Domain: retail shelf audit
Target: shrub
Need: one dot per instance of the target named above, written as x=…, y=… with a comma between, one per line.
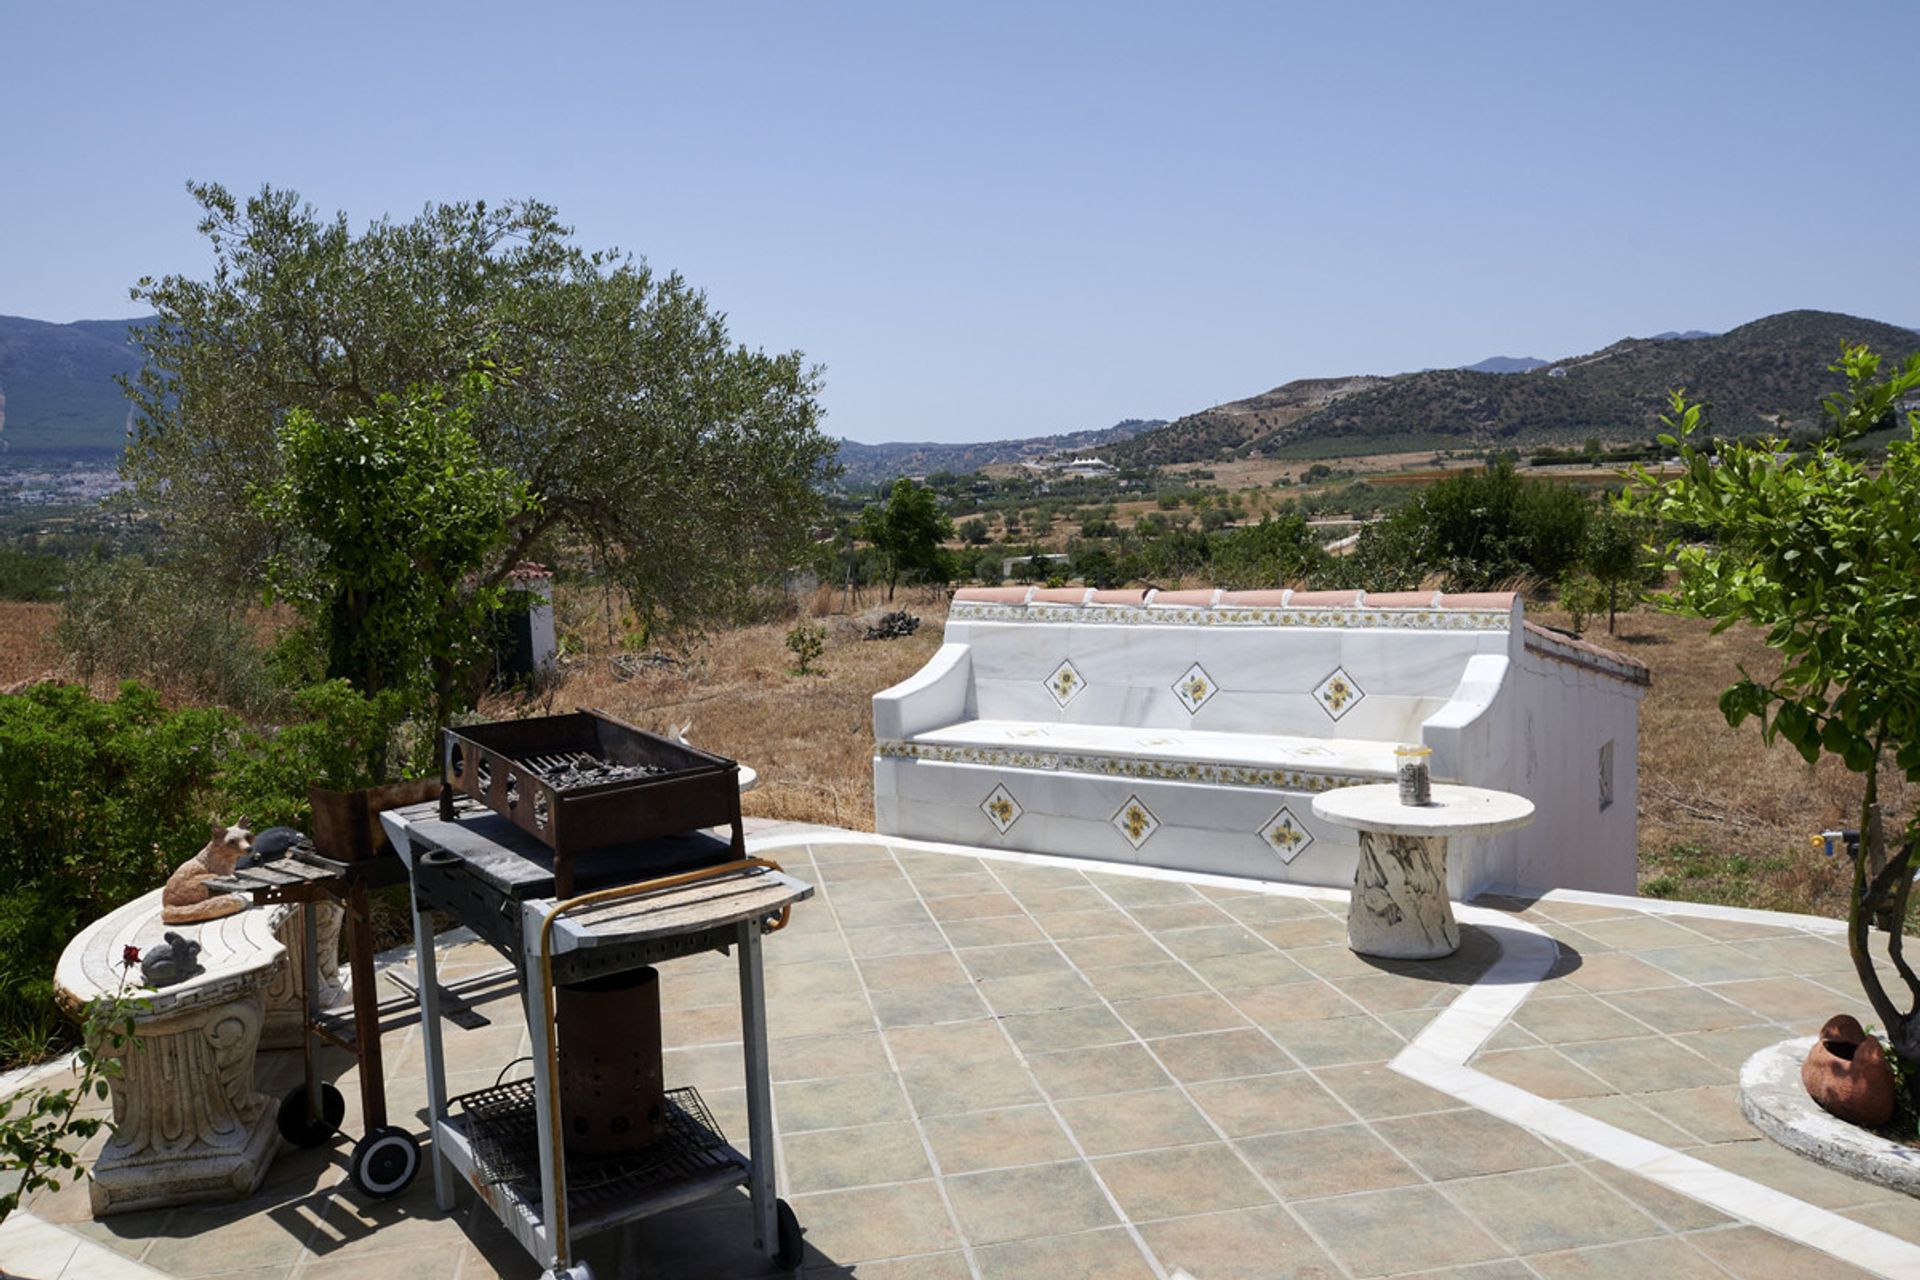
x=99, y=801
x=129, y=620
x=805, y=642
x=1582, y=595
x=343, y=741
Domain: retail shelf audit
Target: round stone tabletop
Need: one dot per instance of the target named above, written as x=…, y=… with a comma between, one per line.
x=236, y=952
x=1454, y=811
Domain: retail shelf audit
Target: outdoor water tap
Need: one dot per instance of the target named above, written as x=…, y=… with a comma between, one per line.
x=1829, y=842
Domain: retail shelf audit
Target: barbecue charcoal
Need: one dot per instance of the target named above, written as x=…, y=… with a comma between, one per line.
x=592, y=773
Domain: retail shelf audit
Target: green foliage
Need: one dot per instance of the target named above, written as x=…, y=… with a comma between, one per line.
x=1582, y=595
x=685, y=464
x=343, y=741
x=907, y=530
x=387, y=518
x=1615, y=557
x=99, y=800
x=1822, y=552
x=805, y=641
x=27, y=575
x=1476, y=530
x=127, y=619
x=974, y=531
x=41, y=1130
x=1278, y=551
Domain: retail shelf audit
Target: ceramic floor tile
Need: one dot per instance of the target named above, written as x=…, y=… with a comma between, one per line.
x=1119, y=1123
x=876, y=1222
x=1370, y=1234
x=1464, y=1144
x=1270, y=1104
x=831, y=1159
x=1089, y=1255
x=1176, y=1181
x=1327, y=1162
x=1106, y=1069
x=1545, y=1210
x=982, y=1140
x=1029, y=1202
x=1750, y=1253
x=1178, y=1015
x=1220, y=1055
x=1243, y=1244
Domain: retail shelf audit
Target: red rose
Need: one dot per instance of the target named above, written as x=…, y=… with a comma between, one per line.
x=129, y=955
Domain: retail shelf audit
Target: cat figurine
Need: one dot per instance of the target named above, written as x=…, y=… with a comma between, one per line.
x=186, y=899
x=174, y=960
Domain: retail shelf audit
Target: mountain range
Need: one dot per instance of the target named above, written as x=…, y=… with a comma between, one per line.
x=58, y=396
x=876, y=463
x=57, y=389
x=1766, y=375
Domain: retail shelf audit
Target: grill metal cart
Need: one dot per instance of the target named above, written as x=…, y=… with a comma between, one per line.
x=630, y=907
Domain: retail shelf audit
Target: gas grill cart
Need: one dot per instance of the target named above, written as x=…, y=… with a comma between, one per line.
x=583, y=851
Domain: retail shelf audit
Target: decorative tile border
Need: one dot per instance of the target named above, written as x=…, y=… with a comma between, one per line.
x=1234, y=616
x=1227, y=775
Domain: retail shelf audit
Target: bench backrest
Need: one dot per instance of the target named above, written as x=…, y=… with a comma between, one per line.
x=1320, y=664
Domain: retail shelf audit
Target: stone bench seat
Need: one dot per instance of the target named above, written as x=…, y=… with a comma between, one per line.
x=1191, y=729
x=1200, y=754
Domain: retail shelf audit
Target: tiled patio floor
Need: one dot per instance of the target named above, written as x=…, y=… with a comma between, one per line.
x=991, y=1068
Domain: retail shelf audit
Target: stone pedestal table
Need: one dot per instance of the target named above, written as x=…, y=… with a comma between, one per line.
x=1399, y=909
x=188, y=1124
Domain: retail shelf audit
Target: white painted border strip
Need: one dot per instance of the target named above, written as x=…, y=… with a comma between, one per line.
x=1670, y=907
x=1438, y=1056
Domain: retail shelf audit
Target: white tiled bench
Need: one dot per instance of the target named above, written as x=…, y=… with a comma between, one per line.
x=1188, y=729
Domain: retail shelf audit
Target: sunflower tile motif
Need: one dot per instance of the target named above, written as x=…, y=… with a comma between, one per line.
x=1136, y=822
x=1065, y=684
x=1001, y=808
x=1338, y=693
x=1194, y=688
x=1285, y=835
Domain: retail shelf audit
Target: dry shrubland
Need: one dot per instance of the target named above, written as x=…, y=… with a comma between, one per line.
x=1723, y=818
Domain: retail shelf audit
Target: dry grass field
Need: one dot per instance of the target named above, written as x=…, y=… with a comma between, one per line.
x=1723, y=818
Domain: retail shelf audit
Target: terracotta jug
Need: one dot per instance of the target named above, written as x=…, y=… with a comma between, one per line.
x=1846, y=1072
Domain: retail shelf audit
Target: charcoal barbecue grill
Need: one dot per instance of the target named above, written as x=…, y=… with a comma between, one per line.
x=621, y=869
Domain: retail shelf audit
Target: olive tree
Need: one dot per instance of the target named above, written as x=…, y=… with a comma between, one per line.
x=907, y=530
x=1822, y=550
x=682, y=462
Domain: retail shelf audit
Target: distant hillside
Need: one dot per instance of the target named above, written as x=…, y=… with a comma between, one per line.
x=57, y=384
x=1239, y=426
x=877, y=463
x=1751, y=376
x=1505, y=364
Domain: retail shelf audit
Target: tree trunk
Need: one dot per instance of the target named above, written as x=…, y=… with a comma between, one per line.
x=1613, y=589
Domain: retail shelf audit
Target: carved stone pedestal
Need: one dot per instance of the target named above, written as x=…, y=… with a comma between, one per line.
x=287, y=990
x=188, y=1125
x=1399, y=909
x=187, y=1122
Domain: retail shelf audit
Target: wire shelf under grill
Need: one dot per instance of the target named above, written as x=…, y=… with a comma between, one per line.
x=499, y=1123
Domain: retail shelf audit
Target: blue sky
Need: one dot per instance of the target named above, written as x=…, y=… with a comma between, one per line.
x=994, y=220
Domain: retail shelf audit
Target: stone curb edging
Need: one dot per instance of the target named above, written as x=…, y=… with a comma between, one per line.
x=1776, y=1102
